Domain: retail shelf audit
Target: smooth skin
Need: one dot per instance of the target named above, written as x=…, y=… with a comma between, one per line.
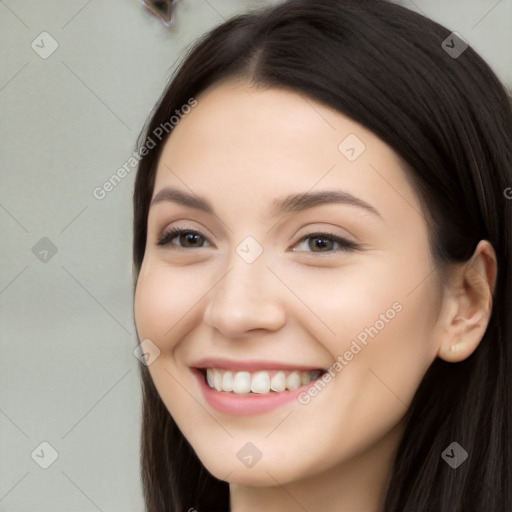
x=300, y=302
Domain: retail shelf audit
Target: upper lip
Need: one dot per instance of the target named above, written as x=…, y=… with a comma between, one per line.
x=253, y=365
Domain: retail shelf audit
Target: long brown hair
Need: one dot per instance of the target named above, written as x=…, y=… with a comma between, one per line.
x=450, y=118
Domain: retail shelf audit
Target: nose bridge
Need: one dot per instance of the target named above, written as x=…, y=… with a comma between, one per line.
x=246, y=298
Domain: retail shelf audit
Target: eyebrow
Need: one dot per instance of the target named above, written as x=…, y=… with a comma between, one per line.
x=280, y=206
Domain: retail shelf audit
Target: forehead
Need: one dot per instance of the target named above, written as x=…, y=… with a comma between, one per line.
x=262, y=143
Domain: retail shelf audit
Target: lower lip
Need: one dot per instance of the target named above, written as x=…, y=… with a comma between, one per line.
x=246, y=405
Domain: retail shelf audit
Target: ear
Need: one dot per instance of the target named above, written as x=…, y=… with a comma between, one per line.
x=467, y=304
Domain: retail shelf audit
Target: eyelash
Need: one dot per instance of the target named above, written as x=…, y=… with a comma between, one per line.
x=346, y=245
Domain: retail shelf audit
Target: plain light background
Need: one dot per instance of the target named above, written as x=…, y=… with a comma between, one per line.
x=68, y=374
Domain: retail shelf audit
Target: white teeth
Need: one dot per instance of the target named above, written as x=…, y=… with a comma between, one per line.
x=217, y=380
x=278, y=382
x=293, y=380
x=260, y=382
x=209, y=377
x=242, y=383
x=227, y=382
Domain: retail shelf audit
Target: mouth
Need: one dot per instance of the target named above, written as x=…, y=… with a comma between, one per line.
x=246, y=388
x=261, y=382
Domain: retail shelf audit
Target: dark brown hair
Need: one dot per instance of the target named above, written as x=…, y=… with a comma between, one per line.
x=450, y=119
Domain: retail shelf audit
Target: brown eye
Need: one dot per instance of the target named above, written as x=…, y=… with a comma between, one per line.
x=187, y=238
x=325, y=242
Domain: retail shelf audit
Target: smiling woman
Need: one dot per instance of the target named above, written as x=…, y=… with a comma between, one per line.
x=322, y=254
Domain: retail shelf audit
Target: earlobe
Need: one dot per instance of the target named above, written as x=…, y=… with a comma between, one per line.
x=468, y=304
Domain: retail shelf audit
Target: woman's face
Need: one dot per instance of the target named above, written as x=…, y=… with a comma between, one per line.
x=262, y=297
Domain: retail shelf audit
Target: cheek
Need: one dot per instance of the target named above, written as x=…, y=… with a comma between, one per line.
x=160, y=302
x=388, y=347
x=386, y=317
x=381, y=321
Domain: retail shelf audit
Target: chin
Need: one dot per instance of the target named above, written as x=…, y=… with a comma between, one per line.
x=278, y=469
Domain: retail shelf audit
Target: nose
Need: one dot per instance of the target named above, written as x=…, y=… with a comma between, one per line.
x=247, y=298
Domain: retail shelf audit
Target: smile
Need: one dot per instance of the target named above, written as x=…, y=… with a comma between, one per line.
x=260, y=382
x=245, y=388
